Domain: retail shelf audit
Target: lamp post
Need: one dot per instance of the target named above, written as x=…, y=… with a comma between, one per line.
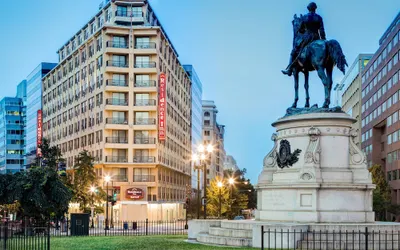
x=92, y=190
x=203, y=151
x=107, y=179
x=219, y=184
x=231, y=182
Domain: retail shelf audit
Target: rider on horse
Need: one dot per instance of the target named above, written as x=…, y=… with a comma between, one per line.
x=312, y=28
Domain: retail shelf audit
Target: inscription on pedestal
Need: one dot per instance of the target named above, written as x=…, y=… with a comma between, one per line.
x=279, y=200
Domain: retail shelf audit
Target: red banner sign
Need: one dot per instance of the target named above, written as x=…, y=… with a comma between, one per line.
x=134, y=193
x=39, y=132
x=162, y=106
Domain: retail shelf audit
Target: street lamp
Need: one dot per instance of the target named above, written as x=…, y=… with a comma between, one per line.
x=201, y=155
x=107, y=179
x=92, y=190
x=219, y=185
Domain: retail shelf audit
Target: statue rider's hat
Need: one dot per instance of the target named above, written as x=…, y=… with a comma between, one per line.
x=312, y=6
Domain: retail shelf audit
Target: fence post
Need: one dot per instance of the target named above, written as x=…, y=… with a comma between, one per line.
x=262, y=237
x=5, y=234
x=48, y=235
x=147, y=226
x=366, y=238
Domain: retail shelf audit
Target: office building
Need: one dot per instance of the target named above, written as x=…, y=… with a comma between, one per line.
x=230, y=164
x=351, y=98
x=213, y=133
x=12, y=136
x=197, y=91
x=120, y=92
x=33, y=105
x=380, y=107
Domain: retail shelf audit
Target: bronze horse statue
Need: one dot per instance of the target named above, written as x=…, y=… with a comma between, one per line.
x=319, y=55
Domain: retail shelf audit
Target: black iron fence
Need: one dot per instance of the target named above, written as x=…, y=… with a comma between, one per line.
x=329, y=240
x=16, y=236
x=119, y=228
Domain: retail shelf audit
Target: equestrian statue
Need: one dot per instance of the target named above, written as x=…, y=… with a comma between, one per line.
x=311, y=51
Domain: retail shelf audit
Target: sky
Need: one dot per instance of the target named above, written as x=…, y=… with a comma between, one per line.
x=237, y=48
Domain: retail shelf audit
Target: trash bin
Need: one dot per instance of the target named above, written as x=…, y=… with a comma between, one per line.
x=134, y=225
x=125, y=225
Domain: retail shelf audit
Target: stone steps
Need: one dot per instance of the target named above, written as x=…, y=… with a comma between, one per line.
x=223, y=240
x=236, y=225
x=238, y=233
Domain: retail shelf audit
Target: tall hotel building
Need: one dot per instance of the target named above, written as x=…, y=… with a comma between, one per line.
x=351, y=98
x=213, y=133
x=197, y=114
x=33, y=106
x=120, y=92
x=381, y=107
x=12, y=127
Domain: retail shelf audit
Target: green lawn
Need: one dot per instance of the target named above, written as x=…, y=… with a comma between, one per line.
x=130, y=242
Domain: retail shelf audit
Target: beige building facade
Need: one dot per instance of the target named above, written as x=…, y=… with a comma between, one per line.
x=213, y=133
x=351, y=98
x=104, y=96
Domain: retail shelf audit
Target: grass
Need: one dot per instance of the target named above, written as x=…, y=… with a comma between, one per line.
x=131, y=242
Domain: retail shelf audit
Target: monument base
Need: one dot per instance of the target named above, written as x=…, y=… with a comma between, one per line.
x=327, y=181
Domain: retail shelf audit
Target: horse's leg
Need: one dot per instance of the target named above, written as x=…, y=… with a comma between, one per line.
x=324, y=79
x=329, y=71
x=306, y=88
x=296, y=88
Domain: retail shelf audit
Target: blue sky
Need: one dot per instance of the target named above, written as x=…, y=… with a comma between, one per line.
x=237, y=48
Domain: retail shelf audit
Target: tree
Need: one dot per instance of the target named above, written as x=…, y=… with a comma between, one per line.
x=84, y=178
x=381, y=194
x=243, y=193
x=214, y=194
x=39, y=192
x=50, y=156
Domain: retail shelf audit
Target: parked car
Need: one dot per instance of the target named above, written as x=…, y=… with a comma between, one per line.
x=239, y=217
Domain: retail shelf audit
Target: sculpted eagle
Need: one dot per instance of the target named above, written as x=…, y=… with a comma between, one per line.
x=285, y=158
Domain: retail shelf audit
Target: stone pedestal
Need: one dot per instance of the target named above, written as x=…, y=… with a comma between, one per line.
x=329, y=182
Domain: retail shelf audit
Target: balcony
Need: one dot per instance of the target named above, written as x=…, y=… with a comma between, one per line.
x=149, y=45
x=116, y=140
x=119, y=178
x=144, y=178
x=133, y=17
x=141, y=140
x=117, y=159
x=117, y=83
x=142, y=65
x=122, y=121
x=145, y=121
x=144, y=159
x=145, y=102
x=118, y=64
x=145, y=83
x=119, y=45
x=125, y=13
x=117, y=102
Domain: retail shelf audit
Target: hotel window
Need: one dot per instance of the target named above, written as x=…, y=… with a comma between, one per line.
x=137, y=11
x=395, y=137
x=108, y=15
x=122, y=11
x=389, y=139
x=142, y=42
x=119, y=42
x=119, y=61
x=389, y=121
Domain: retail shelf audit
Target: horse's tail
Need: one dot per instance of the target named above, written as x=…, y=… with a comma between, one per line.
x=336, y=53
